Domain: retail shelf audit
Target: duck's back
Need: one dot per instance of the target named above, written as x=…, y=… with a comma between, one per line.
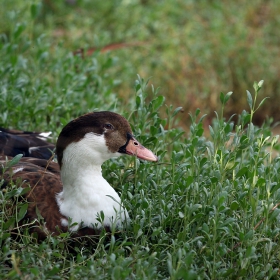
x=30, y=144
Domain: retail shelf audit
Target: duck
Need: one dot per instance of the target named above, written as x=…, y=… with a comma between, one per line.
x=71, y=195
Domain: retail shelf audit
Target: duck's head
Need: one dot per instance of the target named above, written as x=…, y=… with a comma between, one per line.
x=99, y=136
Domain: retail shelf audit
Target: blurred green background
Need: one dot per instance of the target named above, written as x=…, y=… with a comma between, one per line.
x=193, y=50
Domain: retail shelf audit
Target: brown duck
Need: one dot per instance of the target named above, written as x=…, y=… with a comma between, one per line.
x=72, y=195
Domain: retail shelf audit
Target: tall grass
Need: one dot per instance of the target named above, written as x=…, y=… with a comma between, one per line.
x=193, y=49
x=207, y=210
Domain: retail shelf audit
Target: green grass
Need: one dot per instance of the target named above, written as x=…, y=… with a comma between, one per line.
x=204, y=211
x=193, y=49
x=207, y=210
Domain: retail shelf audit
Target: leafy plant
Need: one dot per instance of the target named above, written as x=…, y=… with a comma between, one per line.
x=209, y=209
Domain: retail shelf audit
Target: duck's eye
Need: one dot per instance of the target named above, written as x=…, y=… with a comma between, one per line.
x=108, y=126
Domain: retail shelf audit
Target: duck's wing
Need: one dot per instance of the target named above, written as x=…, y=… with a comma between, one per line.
x=43, y=179
x=30, y=144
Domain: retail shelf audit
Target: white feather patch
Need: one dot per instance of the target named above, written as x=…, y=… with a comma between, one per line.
x=18, y=169
x=45, y=134
x=85, y=192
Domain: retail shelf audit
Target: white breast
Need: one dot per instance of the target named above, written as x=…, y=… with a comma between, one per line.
x=85, y=192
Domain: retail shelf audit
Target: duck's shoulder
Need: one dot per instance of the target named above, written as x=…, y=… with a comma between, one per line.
x=41, y=176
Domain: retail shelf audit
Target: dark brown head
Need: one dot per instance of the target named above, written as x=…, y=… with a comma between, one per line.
x=112, y=128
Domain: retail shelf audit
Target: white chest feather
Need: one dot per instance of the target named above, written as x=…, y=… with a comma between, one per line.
x=85, y=192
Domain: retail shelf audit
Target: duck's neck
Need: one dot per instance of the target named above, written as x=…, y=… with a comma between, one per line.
x=86, y=193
